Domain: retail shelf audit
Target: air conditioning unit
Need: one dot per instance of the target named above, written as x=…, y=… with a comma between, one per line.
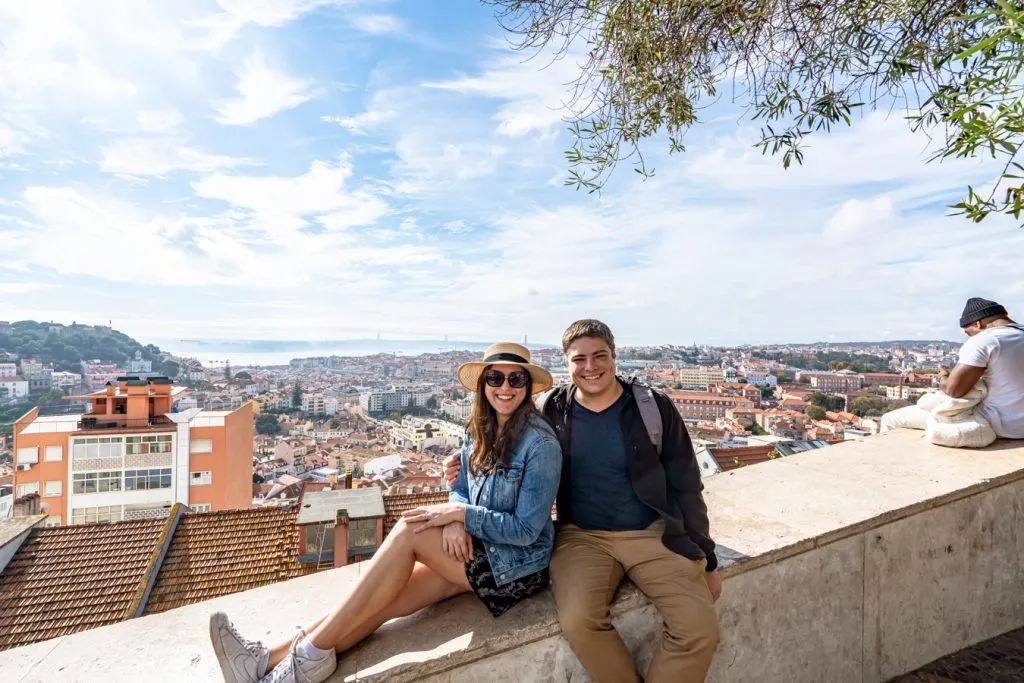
x=24, y=468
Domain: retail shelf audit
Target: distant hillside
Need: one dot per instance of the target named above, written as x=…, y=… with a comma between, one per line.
x=66, y=346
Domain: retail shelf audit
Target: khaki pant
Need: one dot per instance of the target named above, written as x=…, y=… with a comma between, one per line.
x=588, y=566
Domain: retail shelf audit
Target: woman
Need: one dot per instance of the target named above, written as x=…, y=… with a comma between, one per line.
x=494, y=537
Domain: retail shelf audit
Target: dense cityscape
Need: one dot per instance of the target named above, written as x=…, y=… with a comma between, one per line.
x=386, y=421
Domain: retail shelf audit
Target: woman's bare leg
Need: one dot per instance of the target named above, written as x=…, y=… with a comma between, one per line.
x=392, y=586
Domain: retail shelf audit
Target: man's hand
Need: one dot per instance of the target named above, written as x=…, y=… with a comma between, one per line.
x=456, y=542
x=452, y=465
x=435, y=515
x=714, y=580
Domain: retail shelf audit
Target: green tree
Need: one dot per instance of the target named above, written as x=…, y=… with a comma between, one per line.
x=267, y=423
x=799, y=68
x=815, y=413
x=826, y=401
x=868, y=406
x=432, y=403
x=243, y=375
x=757, y=430
x=227, y=371
x=297, y=395
x=767, y=392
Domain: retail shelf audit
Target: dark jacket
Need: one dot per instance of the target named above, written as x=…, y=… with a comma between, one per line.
x=670, y=483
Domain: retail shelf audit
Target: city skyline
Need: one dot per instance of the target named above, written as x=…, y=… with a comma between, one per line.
x=320, y=169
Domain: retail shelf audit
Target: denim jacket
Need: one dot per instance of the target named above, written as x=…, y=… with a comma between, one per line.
x=509, y=509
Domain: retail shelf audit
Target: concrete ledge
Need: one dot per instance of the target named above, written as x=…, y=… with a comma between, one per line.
x=866, y=561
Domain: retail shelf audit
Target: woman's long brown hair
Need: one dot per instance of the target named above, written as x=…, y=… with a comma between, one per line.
x=491, y=449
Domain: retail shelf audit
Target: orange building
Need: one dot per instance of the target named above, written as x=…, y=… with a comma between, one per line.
x=132, y=456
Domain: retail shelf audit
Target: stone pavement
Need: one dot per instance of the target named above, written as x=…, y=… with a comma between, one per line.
x=1000, y=660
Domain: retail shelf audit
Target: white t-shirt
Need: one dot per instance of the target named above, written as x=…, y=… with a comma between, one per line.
x=1000, y=350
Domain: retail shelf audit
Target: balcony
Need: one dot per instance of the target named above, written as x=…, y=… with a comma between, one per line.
x=92, y=422
x=857, y=563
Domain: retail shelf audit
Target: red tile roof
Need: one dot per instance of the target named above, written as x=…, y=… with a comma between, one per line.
x=732, y=458
x=395, y=505
x=219, y=553
x=68, y=579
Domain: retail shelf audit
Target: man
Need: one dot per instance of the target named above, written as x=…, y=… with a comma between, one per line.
x=625, y=510
x=995, y=352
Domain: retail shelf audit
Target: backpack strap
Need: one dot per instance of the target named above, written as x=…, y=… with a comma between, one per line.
x=649, y=413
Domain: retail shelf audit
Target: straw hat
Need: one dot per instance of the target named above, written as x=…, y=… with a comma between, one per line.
x=504, y=353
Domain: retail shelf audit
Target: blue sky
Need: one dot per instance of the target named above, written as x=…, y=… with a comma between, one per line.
x=322, y=169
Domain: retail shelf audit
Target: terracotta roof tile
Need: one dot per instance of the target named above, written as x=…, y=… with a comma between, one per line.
x=395, y=505
x=218, y=553
x=732, y=458
x=72, y=578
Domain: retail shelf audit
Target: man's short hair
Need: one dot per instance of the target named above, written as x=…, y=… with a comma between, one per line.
x=588, y=327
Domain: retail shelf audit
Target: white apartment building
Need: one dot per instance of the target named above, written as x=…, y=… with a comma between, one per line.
x=8, y=370
x=314, y=404
x=457, y=410
x=13, y=387
x=904, y=393
x=66, y=380
x=761, y=379
x=700, y=377
x=395, y=398
x=417, y=433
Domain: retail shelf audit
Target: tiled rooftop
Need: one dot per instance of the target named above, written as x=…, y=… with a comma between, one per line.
x=395, y=505
x=68, y=579
x=731, y=458
x=218, y=553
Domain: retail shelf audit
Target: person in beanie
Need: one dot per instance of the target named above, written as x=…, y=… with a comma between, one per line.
x=995, y=352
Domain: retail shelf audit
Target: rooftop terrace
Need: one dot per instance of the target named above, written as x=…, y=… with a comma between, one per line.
x=860, y=562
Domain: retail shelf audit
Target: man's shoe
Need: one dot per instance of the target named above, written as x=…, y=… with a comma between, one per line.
x=239, y=658
x=296, y=668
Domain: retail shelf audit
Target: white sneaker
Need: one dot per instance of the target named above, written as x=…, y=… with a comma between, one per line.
x=296, y=668
x=239, y=659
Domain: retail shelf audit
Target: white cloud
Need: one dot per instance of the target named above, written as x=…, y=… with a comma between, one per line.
x=377, y=24
x=161, y=156
x=11, y=141
x=861, y=219
x=156, y=121
x=361, y=123
x=280, y=206
x=262, y=92
x=535, y=91
x=14, y=288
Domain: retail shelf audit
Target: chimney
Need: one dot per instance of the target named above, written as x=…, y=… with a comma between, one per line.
x=341, y=538
x=348, y=479
x=26, y=506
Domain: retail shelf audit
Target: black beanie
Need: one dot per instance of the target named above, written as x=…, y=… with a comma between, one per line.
x=979, y=309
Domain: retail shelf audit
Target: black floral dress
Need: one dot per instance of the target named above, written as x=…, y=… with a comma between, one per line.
x=500, y=599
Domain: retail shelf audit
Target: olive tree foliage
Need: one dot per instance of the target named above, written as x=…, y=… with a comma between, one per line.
x=798, y=67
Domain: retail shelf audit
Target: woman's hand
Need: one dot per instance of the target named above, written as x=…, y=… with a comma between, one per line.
x=456, y=542
x=435, y=515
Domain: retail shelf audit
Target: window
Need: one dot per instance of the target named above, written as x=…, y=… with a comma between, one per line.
x=28, y=456
x=25, y=489
x=320, y=539
x=362, y=533
x=141, y=480
x=96, y=482
x=53, y=489
x=53, y=453
x=201, y=478
x=100, y=447
x=140, y=445
x=201, y=446
x=200, y=507
x=103, y=513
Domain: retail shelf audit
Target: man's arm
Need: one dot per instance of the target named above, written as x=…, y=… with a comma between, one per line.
x=961, y=380
x=684, y=481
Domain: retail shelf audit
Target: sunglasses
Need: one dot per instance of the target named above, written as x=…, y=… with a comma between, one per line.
x=516, y=380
